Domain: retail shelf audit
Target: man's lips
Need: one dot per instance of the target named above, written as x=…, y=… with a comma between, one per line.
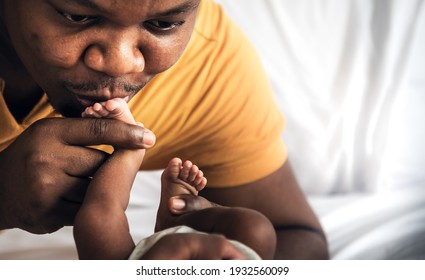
x=88, y=101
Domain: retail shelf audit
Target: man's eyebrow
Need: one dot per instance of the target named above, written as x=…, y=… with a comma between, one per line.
x=88, y=4
x=181, y=9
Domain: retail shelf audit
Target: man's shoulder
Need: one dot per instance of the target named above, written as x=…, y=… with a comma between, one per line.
x=212, y=23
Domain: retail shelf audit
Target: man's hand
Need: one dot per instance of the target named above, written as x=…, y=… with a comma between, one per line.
x=46, y=170
x=193, y=246
x=186, y=203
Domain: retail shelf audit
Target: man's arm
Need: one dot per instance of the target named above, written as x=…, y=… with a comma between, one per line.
x=279, y=197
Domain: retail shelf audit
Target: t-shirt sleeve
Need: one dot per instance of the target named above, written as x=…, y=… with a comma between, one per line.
x=244, y=124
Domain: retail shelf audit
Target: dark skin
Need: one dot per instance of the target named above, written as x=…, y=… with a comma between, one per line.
x=101, y=229
x=46, y=200
x=192, y=246
x=71, y=58
x=121, y=47
x=279, y=198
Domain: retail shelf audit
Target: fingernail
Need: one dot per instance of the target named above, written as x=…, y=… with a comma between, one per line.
x=178, y=203
x=148, y=137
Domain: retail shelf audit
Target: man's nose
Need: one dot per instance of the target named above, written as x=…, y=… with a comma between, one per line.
x=115, y=56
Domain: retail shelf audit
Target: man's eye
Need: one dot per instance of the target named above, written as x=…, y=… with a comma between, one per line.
x=163, y=25
x=78, y=18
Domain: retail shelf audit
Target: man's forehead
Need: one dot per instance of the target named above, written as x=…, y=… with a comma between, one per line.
x=139, y=5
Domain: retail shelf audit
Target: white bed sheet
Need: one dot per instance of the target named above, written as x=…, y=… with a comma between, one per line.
x=358, y=226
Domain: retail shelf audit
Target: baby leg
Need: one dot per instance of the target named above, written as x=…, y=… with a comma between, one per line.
x=101, y=230
x=245, y=225
x=178, y=178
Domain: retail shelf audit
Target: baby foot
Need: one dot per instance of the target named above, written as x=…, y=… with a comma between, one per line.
x=117, y=108
x=177, y=179
x=113, y=109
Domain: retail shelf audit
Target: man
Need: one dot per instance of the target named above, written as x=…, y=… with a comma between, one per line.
x=188, y=74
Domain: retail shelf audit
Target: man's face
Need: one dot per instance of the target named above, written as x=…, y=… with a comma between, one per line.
x=82, y=51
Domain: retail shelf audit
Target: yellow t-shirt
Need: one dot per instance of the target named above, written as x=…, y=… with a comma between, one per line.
x=214, y=107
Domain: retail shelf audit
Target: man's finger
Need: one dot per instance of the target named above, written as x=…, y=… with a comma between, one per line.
x=187, y=203
x=224, y=249
x=232, y=253
x=93, y=131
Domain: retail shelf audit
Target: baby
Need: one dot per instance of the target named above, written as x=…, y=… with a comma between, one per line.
x=101, y=229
